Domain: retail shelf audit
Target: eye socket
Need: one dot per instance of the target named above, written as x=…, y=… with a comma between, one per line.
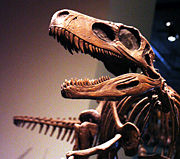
x=130, y=38
x=63, y=14
x=103, y=31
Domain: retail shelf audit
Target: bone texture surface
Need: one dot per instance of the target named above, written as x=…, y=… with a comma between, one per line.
x=137, y=111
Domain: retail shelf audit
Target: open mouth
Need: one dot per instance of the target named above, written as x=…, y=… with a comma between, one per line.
x=73, y=44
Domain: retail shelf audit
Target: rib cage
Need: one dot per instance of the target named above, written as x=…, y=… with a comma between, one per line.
x=65, y=127
x=158, y=129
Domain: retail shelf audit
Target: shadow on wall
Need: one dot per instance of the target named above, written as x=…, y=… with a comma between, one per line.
x=22, y=156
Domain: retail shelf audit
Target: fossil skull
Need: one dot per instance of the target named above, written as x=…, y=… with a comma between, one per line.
x=118, y=46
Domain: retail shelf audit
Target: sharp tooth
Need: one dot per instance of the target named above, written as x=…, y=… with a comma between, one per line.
x=66, y=83
x=97, y=50
x=70, y=50
x=76, y=41
x=52, y=30
x=106, y=52
x=72, y=82
x=93, y=48
x=90, y=48
x=102, y=79
x=84, y=83
x=63, y=32
x=96, y=81
x=81, y=43
x=56, y=29
x=107, y=78
x=71, y=38
x=110, y=53
x=102, y=50
x=79, y=83
x=69, y=82
x=63, y=85
x=68, y=43
x=89, y=82
x=59, y=32
x=67, y=35
x=76, y=82
x=86, y=46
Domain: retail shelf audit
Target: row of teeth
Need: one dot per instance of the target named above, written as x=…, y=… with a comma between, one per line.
x=74, y=43
x=85, y=82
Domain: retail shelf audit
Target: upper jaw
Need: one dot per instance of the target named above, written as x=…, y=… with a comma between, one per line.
x=74, y=42
x=78, y=32
x=81, y=26
x=115, y=58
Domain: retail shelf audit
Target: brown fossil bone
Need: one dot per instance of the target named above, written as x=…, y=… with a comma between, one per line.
x=32, y=122
x=120, y=48
x=137, y=110
x=104, y=40
x=111, y=89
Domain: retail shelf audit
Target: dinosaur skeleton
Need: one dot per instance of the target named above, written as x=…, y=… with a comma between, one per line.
x=137, y=110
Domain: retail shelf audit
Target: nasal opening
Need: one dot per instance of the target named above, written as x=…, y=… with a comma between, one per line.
x=63, y=14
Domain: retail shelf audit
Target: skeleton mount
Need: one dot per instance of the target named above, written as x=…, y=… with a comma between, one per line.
x=137, y=110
